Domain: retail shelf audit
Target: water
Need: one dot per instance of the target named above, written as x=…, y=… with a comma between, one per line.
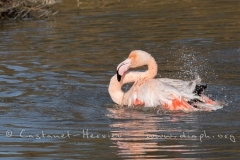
x=54, y=77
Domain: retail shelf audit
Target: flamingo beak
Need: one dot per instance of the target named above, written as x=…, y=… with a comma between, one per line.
x=122, y=68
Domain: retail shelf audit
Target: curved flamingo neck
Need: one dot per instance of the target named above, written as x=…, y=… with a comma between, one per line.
x=152, y=68
x=115, y=87
x=115, y=90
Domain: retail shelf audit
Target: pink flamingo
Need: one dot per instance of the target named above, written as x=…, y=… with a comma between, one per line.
x=172, y=94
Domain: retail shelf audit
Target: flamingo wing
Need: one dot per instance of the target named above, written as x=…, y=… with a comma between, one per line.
x=169, y=93
x=154, y=92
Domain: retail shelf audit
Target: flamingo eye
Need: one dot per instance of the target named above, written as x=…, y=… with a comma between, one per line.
x=132, y=55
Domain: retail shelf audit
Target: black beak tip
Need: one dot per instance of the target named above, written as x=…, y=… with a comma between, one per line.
x=119, y=77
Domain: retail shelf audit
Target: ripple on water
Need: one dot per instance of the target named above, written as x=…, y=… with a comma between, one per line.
x=17, y=68
x=9, y=80
x=11, y=93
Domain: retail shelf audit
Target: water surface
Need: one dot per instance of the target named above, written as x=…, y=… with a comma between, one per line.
x=54, y=76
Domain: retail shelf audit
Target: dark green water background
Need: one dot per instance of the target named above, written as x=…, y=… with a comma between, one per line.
x=54, y=75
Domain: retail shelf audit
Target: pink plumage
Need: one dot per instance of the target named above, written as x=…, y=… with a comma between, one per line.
x=172, y=94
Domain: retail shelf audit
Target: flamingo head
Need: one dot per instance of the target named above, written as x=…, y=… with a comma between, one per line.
x=135, y=59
